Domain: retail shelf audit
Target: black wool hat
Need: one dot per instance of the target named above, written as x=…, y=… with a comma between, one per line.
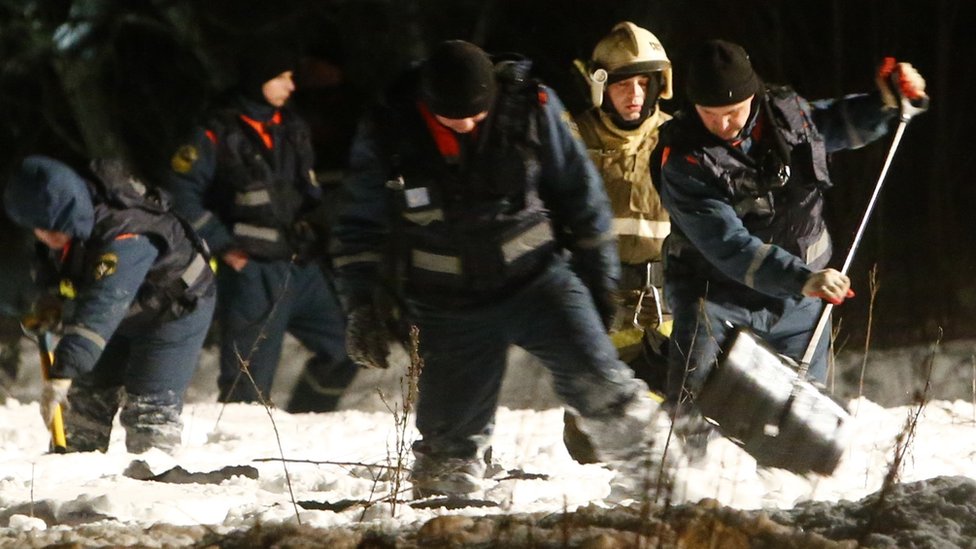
x=261, y=61
x=721, y=74
x=458, y=80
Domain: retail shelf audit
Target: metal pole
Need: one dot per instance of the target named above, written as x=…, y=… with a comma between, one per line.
x=908, y=110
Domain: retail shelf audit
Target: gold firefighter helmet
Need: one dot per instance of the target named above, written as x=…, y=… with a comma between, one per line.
x=627, y=51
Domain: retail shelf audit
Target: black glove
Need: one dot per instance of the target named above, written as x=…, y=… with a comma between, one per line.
x=366, y=338
x=305, y=241
x=54, y=393
x=606, y=306
x=45, y=315
x=598, y=268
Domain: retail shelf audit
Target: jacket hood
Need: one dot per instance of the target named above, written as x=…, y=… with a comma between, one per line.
x=47, y=194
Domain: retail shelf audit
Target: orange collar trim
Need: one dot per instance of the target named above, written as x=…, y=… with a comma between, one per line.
x=447, y=141
x=262, y=128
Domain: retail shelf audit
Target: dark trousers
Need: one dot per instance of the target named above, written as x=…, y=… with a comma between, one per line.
x=702, y=325
x=256, y=307
x=154, y=365
x=465, y=351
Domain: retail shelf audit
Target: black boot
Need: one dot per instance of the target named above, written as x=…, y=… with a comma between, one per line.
x=319, y=388
x=88, y=419
x=152, y=421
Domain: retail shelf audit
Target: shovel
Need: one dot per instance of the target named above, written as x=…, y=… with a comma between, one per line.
x=44, y=340
x=768, y=407
x=59, y=443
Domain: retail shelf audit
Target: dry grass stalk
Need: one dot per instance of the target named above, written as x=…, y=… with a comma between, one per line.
x=401, y=420
x=972, y=360
x=245, y=370
x=873, y=286
x=903, y=442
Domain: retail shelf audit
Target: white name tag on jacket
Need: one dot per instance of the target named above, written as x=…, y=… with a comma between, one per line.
x=418, y=197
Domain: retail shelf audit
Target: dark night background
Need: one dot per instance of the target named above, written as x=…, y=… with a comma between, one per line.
x=125, y=77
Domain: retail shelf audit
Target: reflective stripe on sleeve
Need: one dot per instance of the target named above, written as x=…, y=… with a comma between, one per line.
x=365, y=257
x=194, y=270
x=260, y=233
x=437, y=263
x=253, y=198
x=532, y=239
x=202, y=220
x=424, y=217
x=818, y=248
x=644, y=228
x=90, y=335
x=761, y=252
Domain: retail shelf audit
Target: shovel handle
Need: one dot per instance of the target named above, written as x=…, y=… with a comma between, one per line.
x=910, y=107
x=59, y=444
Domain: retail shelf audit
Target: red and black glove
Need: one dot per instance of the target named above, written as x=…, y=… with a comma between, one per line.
x=896, y=80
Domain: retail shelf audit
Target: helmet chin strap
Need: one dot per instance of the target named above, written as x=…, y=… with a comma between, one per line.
x=646, y=110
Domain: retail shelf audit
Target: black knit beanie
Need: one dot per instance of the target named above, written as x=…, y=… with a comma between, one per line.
x=720, y=74
x=458, y=80
x=262, y=61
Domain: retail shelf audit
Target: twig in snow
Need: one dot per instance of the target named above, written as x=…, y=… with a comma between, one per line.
x=246, y=371
x=972, y=360
x=903, y=443
x=401, y=416
x=873, y=285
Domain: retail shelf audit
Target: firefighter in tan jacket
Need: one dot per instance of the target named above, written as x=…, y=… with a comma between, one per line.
x=627, y=76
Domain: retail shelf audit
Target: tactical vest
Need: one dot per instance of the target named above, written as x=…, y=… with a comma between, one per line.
x=270, y=188
x=623, y=158
x=787, y=212
x=180, y=274
x=469, y=232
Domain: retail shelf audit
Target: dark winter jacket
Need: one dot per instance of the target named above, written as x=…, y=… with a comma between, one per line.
x=737, y=219
x=130, y=261
x=472, y=216
x=245, y=181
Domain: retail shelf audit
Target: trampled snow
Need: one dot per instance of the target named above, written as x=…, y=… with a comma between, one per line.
x=351, y=455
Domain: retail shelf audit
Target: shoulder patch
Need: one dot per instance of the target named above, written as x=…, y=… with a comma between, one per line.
x=106, y=265
x=183, y=160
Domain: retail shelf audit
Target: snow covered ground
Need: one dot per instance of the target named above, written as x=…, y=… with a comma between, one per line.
x=341, y=460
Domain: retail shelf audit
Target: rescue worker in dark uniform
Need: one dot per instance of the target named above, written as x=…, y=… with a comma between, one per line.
x=743, y=176
x=140, y=298
x=471, y=178
x=627, y=75
x=247, y=186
